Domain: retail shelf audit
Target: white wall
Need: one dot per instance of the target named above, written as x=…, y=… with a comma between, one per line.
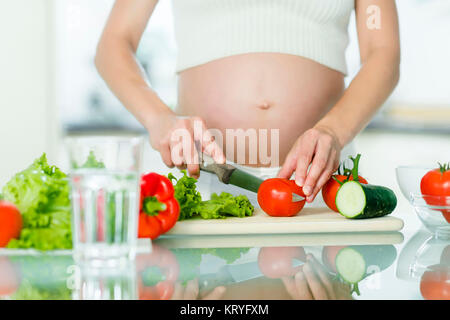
x=28, y=123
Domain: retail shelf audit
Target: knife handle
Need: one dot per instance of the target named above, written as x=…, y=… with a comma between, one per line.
x=222, y=171
x=211, y=281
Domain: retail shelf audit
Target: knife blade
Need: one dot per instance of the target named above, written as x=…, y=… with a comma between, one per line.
x=230, y=274
x=229, y=174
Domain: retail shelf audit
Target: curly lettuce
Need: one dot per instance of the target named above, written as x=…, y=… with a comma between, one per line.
x=41, y=193
x=218, y=207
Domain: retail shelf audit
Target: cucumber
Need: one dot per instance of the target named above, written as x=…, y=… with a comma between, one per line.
x=362, y=201
x=353, y=263
x=350, y=265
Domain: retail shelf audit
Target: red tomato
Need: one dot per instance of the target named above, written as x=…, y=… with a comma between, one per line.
x=10, y=222
x=275, y=197
x=276, y=262
x=330, y=190
x=436, y=183
x=329, y=254
x=435, y=283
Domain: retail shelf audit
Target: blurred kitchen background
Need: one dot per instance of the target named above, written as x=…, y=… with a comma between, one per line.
x=49, y=87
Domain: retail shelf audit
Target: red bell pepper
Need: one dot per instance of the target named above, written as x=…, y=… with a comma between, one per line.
x=159, y=210
x=159, y=259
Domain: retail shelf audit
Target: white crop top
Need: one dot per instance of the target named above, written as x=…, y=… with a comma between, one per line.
x=207, y=30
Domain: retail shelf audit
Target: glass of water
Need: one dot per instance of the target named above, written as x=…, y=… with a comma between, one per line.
x=105, y=188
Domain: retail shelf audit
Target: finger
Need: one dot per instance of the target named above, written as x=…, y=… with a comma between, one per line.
x=191, y=291
x=165, y=156
x=191, y=158
x=216, y=294
x=317, y=289
x=176, y=153
x=288, y=167
x=304, y=159
x=318, y=165
x=177, y=292
x=324, y=177
x=212, y=148
x=303, y=291
x=323, y=276
x=289, y=284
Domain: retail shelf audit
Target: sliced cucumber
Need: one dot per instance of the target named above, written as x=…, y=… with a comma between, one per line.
x=361, y=201
x=350, y=265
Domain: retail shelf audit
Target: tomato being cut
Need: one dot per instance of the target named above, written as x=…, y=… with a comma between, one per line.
x=275, y=197
x=436, y=185
x=277, y=262
x=10, y=222
x=332, y=186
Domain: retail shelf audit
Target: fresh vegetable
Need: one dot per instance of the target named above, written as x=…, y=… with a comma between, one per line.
x=10, y=222
x=435, y=283
x=436, y=185
x=353, y=263
x=191, y=259
x=329, y=254
x=275, y=197
x=276, y=262
x=156, y=274
x=43, y=277
x=330, y=189
x=159, y=210
x=41, y=193
x=92, y=162
x=225, y=204
x=218, y=207
x=361, y=201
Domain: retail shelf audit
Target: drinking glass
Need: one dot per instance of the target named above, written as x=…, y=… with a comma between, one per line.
x=105, y=181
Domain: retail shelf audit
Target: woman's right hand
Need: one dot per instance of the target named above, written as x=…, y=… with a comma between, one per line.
x=175, y=138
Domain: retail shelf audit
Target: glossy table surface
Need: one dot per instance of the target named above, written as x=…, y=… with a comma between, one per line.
x=297, y=266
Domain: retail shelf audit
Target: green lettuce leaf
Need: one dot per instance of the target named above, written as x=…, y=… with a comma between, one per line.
x=41, y=193
x=218, y=207
x=187, y=195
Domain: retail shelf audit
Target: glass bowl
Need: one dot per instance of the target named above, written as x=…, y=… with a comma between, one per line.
x=408, y=179
x=433, y=212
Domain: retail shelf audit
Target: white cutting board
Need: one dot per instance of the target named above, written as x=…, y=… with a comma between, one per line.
x=309, y=220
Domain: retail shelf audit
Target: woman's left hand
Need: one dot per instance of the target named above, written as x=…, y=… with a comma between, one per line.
x=318, y=147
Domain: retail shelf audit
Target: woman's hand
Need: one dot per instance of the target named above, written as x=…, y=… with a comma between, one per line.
x=318, y=147
x=176, y=138
x=313, y=282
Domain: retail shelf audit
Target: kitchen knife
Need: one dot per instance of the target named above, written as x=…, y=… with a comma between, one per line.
x=229, y=174
x=230, y=274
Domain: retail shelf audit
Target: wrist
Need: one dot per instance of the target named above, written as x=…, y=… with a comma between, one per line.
x=338, y=134
x=157, y=115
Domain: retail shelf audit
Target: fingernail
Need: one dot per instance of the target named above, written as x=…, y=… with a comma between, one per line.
x=307, y=190
x=300, y=182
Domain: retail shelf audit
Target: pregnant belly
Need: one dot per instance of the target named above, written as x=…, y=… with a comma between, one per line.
x=264, y=94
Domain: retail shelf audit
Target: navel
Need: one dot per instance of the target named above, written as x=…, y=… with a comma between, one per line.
x=264, y=106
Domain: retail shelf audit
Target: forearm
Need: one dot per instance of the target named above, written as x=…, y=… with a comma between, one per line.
x=367, y=92
x=116, y=63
